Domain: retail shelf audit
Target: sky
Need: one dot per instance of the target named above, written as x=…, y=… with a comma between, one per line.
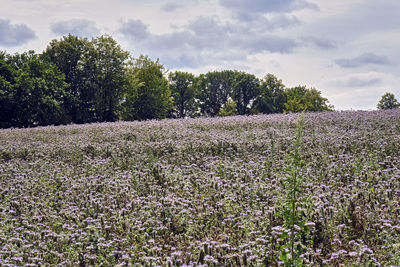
x=347, y=49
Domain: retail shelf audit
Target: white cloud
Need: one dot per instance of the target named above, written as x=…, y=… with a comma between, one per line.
x=360, y=90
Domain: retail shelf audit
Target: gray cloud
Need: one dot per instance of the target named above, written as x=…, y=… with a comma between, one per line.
x=14, y=34
x=359, y=80
x=170, y=7
x=134, y=29
x=267, y=43
x=265, y=6
x=364, y=59
x=263, y=23
x=79, y=27
x=280, y=21
x=205, y=40
x=320, y=42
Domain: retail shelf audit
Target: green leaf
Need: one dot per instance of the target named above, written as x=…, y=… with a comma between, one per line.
x=283, y=256
x=284, y=235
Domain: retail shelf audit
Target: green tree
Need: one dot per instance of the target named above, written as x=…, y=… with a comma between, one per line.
x=313, y=101
x=388, y=101
x=7, y=75
x=6, y=71
x=245, y=91
x=272, y=95
x=300, y=98
x=130, y=95
x=104, y=76
x=214, y=89
x=153, y=99
x=228, y=109
x=67, y=54
x=96, y=72
x=184, y=93
x=36, y=94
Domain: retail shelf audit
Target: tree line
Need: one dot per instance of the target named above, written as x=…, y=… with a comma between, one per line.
x=77, y=80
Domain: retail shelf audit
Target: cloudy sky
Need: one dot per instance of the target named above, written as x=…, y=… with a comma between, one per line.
x=347, y=49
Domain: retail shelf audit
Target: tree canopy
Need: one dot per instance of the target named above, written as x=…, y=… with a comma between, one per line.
x=272, y=97
x=96, y=73
x=388, y=101
x=214, y=89
x=154, y=95
x=32, y=91
x=245, y=90
x=77, y=80
x=184, y=93
x=300, y=98
x=67, y=54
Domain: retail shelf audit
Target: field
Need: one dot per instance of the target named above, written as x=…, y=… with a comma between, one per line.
x=204, y=192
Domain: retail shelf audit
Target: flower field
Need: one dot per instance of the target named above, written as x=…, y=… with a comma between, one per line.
x=203, y=192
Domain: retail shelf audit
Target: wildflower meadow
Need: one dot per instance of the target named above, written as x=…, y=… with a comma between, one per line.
x=317, y=189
